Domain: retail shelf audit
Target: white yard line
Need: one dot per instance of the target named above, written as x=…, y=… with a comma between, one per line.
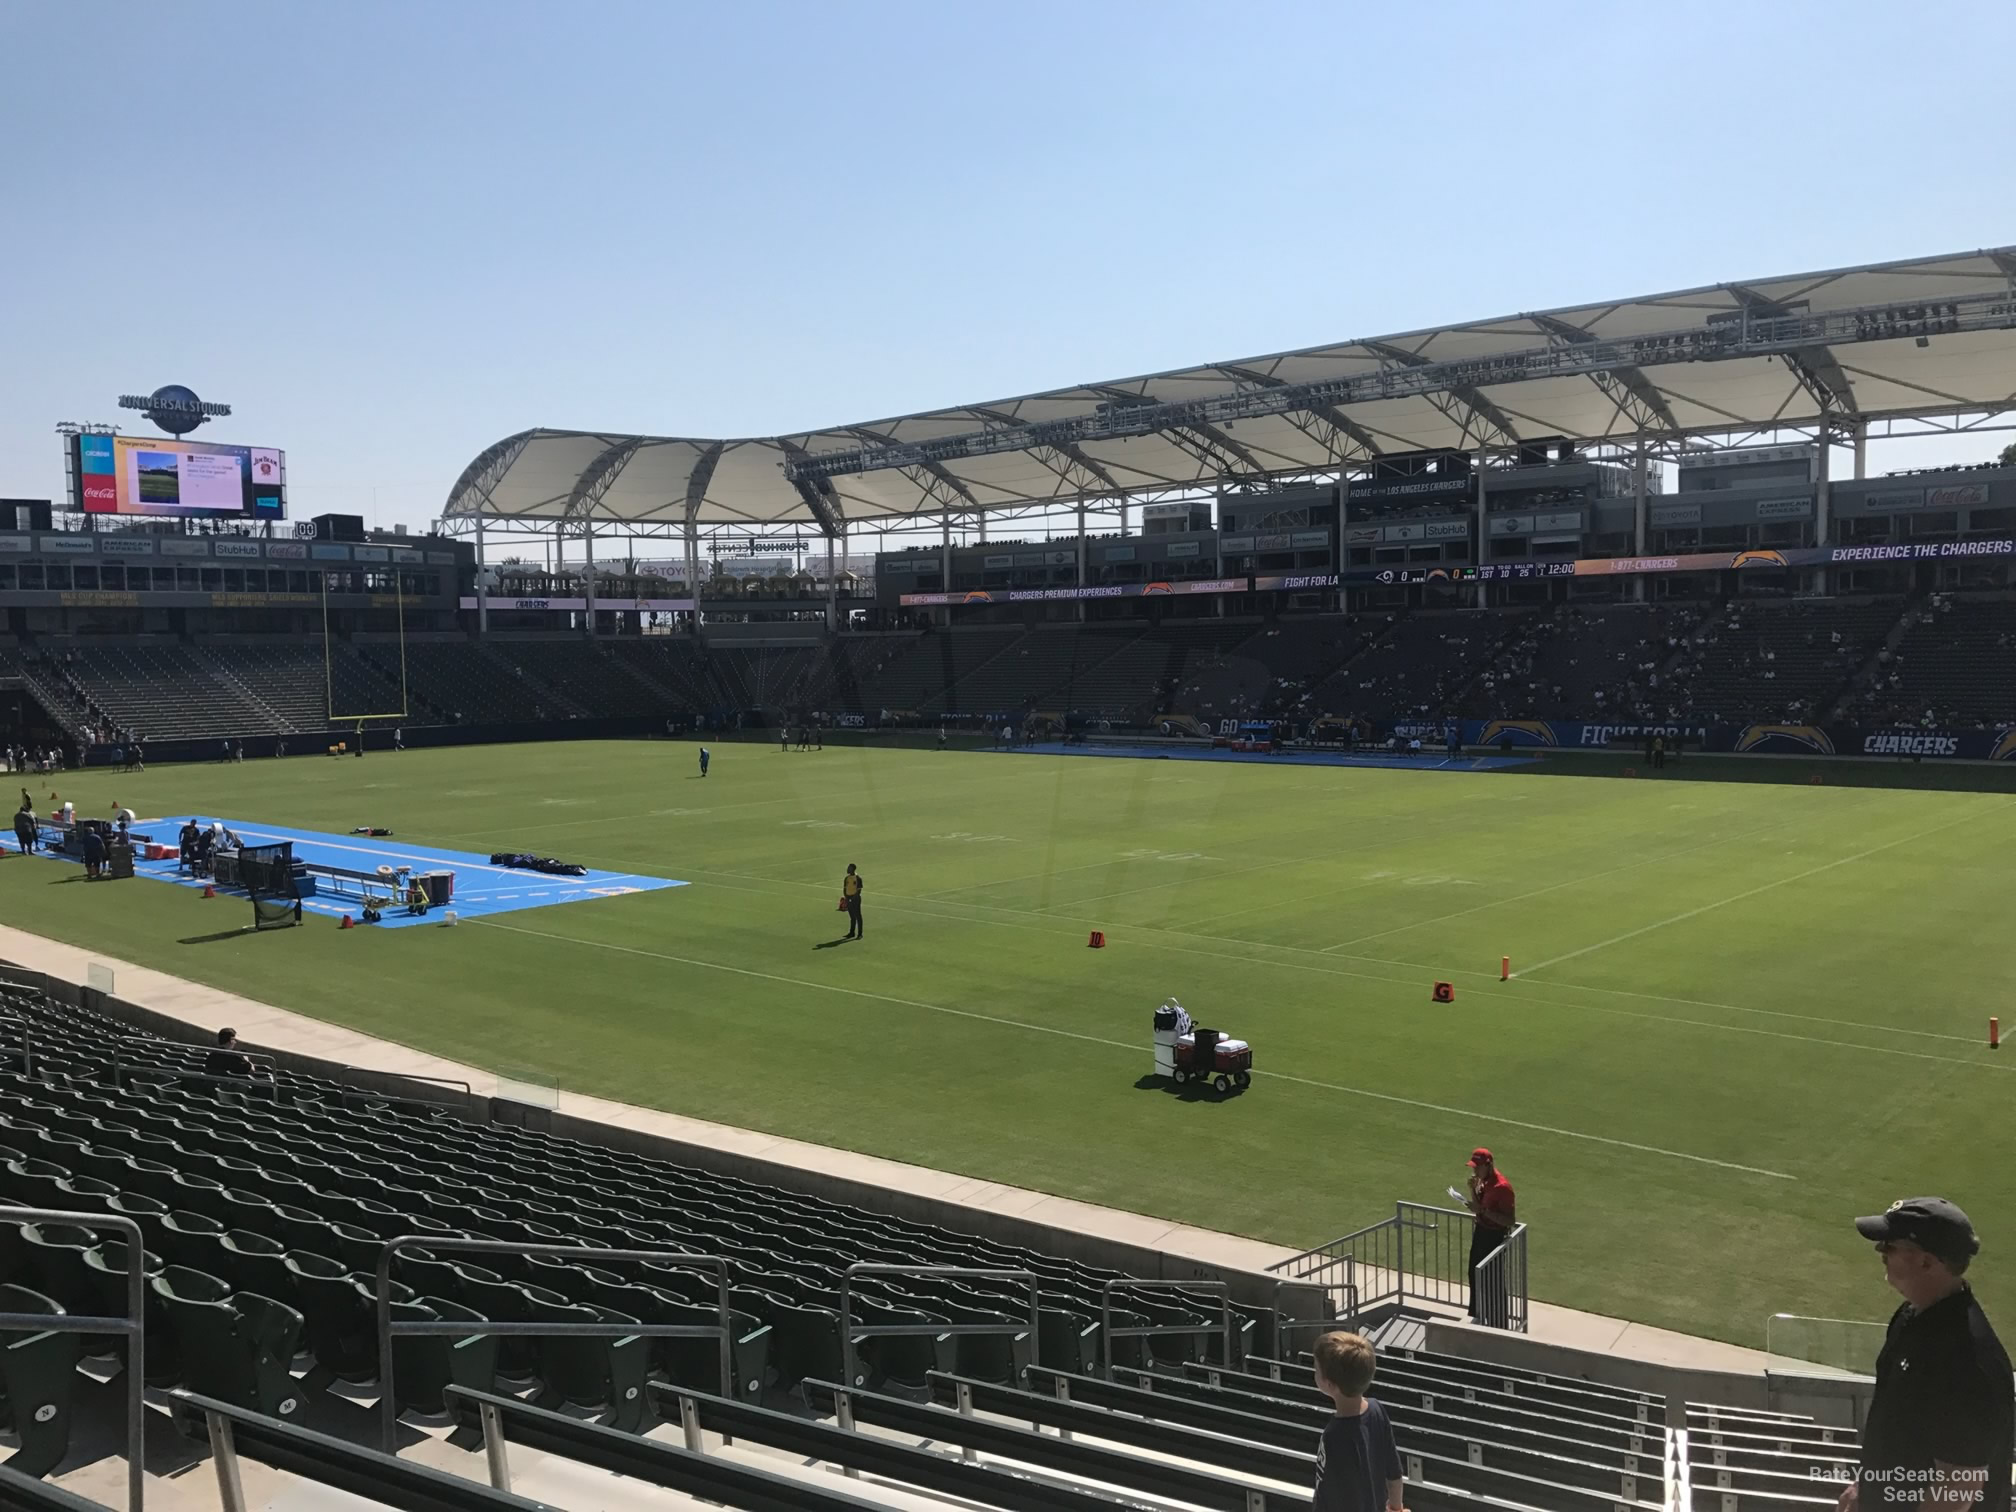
x=1539, y=892
x=1695, y=913
x=1140, y=1049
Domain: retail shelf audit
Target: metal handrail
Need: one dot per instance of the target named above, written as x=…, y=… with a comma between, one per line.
x=120, y=1068
x=1108, y=1333
x=132, y=1327
x=27, y=1043
x=388, y=1410
x=468, y=1092
x=850, y=1334
x=1494, y=1271
x=1389, y=1236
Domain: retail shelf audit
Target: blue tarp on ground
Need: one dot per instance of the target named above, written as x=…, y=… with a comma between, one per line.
x=480, y=888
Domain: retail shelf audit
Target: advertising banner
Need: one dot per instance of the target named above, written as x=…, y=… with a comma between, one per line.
x=1100, y=591
x=580, y=605
x=1897, y=743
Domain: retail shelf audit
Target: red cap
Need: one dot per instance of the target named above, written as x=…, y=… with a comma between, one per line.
x=1480, y=1156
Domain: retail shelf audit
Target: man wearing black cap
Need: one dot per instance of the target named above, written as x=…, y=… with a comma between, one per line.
x=1494, y=1213
x=1942, y=1426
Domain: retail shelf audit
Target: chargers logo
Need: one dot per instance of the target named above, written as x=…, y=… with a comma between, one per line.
x=1766, y=737
x=976, y=597
x=1152, y=588
x=2005, y=745
x=1759, y=559
x=1526, y=732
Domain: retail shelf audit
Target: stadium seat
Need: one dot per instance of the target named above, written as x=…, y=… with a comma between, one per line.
x=426, y=1365
x=192, y=1240
x=106, y=1292
x=235, y=1346
x=38, y=1373
x=252, y=1262
x=54, y=1257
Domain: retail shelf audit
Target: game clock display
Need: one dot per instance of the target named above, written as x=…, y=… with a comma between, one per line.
x=141, y=475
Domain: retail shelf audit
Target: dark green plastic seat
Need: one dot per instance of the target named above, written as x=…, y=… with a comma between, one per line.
x=426, y=1366
x=339, y=1315
x=33, y=1183
x=252, y=1262
x=106, y=1295
x=38, y=1374
x=54, y=1256
x=605, y=1376
x=235, y=1346
x=357, y=1248
x=299, y=1228
x=191, y=1240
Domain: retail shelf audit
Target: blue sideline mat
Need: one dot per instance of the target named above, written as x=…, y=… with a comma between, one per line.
x=1427, y=761
x=480, y=888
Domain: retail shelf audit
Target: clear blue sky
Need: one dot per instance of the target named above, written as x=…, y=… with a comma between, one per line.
x=391, y=233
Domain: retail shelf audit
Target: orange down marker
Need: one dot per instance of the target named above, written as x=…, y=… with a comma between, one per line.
x=1504, y=968
x=1994, y=1034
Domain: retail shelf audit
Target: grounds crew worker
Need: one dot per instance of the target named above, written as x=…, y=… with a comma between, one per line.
x=1493, y=1213
x=1942, y=1425
x=850, y=894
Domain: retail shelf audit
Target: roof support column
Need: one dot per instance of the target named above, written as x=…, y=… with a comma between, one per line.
x=482, y=587
x=1821, y=501
x=1081, y=555
x=945, y=564
x=693, y=566
x=1638, y=515
x=1861, y=448
x=588, y=549
x=833, y=583
x=1477, y=551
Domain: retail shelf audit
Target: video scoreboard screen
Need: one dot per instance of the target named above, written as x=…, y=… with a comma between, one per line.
x=142, y=475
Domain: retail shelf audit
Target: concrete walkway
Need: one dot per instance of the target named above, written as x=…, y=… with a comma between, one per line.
x=262, y=1024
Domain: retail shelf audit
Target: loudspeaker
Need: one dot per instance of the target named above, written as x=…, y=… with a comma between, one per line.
x=335, y=527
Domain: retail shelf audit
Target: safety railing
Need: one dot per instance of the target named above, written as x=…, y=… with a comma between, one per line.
x=1108, y=1333
x=852, y=1333
x=1842, y=1343
x=365, y=1094
x=27, y=1042
x=132, y=1328
x=446, y=1328
x=1420, y=1254
x=123, y=1065
x=1498, y=1286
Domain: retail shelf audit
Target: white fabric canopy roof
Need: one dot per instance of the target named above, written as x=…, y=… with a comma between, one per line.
x=1619, y=387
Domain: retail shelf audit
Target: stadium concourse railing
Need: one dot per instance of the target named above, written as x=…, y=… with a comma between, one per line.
x=1420, y=1254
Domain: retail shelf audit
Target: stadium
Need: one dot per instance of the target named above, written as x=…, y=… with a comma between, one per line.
x=923, y=963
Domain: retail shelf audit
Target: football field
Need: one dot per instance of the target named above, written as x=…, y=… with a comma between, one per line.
x=1742, y=1013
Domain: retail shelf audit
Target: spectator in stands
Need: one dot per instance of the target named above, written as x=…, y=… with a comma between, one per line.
x=227, y=1059
x=1357, y=1463
x=1493, y=1213
x=850, y=894
x=1942, y=1426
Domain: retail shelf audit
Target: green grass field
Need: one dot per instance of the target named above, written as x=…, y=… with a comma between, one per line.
x=1745, y=1014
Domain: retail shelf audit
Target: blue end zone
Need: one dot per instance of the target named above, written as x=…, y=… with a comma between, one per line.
x=480, y=888
x=1427, y=761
